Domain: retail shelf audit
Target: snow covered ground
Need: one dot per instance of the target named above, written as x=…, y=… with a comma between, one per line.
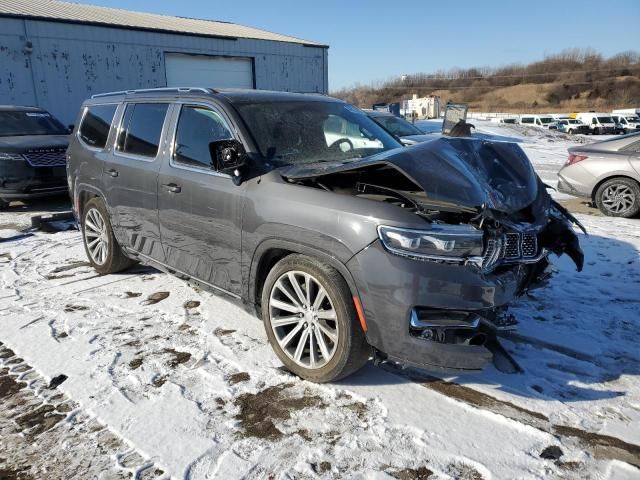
x=188, y=386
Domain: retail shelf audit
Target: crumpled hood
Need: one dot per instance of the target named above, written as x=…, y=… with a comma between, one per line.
x=24, y=143
x=467, y=172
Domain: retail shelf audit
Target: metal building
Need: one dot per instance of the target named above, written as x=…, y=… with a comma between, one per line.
x=55, y=54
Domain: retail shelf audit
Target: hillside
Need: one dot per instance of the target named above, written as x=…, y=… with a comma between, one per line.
x=568, y=81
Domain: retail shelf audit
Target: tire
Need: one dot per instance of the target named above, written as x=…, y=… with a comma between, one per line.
x=333, y=323
x=596, y=131
x=570, y=131
x=105, y=256
x=3, y=203
x=619, y=197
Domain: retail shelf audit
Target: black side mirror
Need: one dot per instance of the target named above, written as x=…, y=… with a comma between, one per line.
x=70, y=128
x=228, y=156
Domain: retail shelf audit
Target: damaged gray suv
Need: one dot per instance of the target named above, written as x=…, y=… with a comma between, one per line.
x=347, y=244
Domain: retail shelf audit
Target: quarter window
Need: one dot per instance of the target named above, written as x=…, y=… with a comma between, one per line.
x=197, y=128
x=141, y=128
x=95, y=125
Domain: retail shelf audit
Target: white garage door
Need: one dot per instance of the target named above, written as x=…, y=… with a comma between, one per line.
x=205, y=71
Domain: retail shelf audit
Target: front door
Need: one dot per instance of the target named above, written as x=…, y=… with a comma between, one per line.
x=131, y=178
x=200, y=209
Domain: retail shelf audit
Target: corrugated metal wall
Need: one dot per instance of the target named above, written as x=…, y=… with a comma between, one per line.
x=70, y=62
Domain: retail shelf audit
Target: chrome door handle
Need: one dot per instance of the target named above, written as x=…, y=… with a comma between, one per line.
x=172, y=188
x=112, y=172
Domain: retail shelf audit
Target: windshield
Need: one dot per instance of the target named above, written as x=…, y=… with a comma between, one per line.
x=398, y=126
x=546, y=119
x=300, y=132
x=633, y=119
x=605, y=120
x=17, y=123
x=575, y=122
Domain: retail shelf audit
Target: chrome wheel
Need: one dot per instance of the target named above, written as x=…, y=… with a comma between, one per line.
x=96, y=236
x=303, y=319
x=618, y=198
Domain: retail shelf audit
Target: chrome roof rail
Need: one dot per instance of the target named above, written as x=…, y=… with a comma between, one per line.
x=152, y=90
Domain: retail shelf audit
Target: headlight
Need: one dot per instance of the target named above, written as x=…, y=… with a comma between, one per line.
x=11, y=156
x=440, y=242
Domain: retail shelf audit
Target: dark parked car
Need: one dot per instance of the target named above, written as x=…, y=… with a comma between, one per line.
x=407, y=132
x=344, y=248
x=32, y=154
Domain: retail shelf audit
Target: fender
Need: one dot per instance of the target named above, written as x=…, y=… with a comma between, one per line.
x=295, y=247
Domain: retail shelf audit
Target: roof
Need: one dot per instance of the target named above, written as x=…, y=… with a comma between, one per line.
x=55, y=10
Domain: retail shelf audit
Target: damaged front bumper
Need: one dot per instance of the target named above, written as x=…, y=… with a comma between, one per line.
x=436, y=315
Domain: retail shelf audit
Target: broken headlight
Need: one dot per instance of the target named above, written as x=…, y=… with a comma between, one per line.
x=455, y=243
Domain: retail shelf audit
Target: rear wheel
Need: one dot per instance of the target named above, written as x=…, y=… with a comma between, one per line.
x=103, y=251
x=619, y=197
x=310, y=320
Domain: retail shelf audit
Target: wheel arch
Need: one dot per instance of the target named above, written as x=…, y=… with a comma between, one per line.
x=271, y=251
x=610, y=177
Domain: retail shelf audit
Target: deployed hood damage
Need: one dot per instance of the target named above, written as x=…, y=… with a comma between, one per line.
x=489, y=184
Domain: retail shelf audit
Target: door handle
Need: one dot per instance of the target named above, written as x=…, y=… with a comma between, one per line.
x=172, y=187
x=112, y=172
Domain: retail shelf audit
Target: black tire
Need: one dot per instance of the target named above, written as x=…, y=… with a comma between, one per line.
x=631, y=190
x=350, y=351
x=3, y=203
x=570, y=131
x=114, y=259
x=596, y=131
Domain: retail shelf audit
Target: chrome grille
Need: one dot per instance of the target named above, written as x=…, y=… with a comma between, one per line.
x=510, y=248
x=529, y=245
x=46, y=157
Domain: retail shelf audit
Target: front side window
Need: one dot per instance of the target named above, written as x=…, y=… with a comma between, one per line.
x=297, y=132
x=20, y=123
x=141, y=128
x=197, y=128
x=398, y=126
x=527, y=120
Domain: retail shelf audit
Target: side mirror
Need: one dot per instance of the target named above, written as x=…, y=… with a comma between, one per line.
x=228, y=156
x=70, y=128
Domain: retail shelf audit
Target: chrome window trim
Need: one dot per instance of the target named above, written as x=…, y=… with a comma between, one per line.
x=132, y=156
x=204, y=170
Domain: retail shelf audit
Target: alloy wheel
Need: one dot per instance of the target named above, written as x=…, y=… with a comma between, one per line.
x=303, y=319
x=96, y=236
x=618, y=198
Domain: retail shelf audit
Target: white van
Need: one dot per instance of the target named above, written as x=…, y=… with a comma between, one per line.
x=540, y=121
x=628, y=123
x=598, y=122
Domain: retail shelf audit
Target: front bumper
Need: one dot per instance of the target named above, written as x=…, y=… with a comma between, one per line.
x=21, y=181
x=395, y=287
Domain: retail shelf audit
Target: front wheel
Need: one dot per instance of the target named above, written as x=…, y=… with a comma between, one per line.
x=571, y=131
x=311, y=321
x=619, y=197
x=103, y=251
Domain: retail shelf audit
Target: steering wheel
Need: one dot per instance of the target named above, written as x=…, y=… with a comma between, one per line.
x=340, y=143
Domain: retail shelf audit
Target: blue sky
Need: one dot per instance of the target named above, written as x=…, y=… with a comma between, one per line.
x=375, y=40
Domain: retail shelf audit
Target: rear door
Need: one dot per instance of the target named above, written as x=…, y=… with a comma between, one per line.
x=200, y=209
x=130, y=177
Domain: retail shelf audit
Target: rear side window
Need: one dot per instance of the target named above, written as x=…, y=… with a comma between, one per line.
x=197, y=128
x=141, y=128
x=527, y=120
x=95, y=125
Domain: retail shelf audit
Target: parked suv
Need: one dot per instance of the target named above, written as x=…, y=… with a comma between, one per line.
x=343, y=248
x=32, y=154
x=571, y=126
